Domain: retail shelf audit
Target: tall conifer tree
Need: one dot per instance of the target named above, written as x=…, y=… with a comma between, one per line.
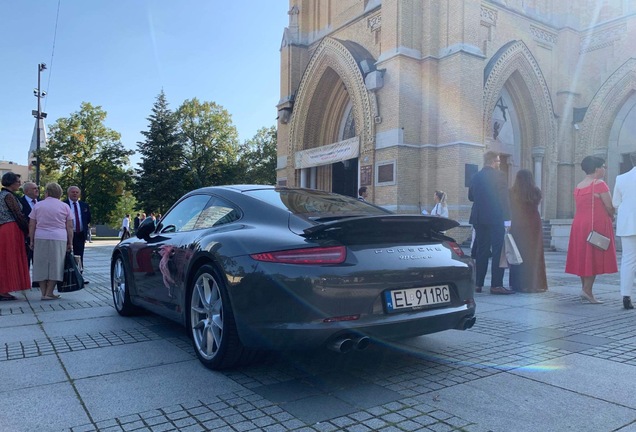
x=159, y=180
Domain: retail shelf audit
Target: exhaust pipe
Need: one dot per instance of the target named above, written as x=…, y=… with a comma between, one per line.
x=361, y=343
x=469, y=323
x=466, y=323
x=341, y=345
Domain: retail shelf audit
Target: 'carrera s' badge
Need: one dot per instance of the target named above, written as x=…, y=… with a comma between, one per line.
x=414, y=257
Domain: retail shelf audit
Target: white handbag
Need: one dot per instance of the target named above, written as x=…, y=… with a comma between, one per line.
x=510, y=252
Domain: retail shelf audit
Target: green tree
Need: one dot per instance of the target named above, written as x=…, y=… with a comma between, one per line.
x=89, y=155
x=159, y=180
x=210, y=143
x=126, y=205
x=257, y=158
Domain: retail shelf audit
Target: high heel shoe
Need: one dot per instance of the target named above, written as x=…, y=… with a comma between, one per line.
x=627, y=302
x=588, y=298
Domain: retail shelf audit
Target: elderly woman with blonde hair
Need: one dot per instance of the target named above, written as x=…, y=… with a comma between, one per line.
x=51, y=234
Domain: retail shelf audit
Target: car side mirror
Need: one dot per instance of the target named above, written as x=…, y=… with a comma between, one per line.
x=146, y=228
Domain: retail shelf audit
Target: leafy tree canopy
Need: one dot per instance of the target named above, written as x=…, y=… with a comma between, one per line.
x=82, y=151
x=257, y=158
x=210, y=143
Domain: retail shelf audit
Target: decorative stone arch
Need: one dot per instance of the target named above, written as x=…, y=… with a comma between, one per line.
x=515, y=68
x=606, y=103
x=332, y=59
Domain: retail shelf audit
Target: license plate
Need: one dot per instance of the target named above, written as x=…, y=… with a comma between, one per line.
x=414, y=298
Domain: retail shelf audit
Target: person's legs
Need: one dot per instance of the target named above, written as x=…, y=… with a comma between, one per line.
x=496, y=240
x=47, y=288
x=482, y=253
x=587, y=283
x=79, y=242
x=628, y=265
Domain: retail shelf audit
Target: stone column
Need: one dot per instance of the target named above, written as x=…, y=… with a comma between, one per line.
x=537, y=156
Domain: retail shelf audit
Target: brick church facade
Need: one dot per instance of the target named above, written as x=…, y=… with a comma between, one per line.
x=405, y=96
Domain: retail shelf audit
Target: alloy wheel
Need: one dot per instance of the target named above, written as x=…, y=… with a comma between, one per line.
x=119, y=284
x=206, y=316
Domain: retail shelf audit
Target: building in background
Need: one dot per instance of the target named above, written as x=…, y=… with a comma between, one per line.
x=405, y=96
x=23, y=170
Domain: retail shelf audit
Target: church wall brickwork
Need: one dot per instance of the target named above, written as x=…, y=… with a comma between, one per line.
x=444, y=65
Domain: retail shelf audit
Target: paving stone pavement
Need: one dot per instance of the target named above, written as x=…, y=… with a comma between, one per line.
x=532, y=362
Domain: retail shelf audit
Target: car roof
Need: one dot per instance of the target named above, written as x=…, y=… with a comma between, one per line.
x=235, y=188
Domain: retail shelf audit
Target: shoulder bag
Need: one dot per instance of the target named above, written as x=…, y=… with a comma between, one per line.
x=73, y=279
x=595, y=238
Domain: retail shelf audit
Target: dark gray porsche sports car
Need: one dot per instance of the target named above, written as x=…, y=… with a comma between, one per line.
x=252, y=267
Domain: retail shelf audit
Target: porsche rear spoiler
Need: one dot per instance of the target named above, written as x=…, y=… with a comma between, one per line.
x=378, y=223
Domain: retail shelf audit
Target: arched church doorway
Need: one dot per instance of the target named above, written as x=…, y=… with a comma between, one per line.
x=344, y=174
x=622, y=140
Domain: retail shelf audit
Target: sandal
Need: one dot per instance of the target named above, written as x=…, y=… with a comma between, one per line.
x=49, y=297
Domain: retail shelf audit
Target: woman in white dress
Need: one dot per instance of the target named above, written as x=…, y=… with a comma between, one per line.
x=440, y=209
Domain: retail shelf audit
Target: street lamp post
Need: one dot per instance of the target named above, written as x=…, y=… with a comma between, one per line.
x=39, y=115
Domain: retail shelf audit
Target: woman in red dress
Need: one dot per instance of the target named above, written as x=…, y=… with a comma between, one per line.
x=583, y=259
x=14, y=269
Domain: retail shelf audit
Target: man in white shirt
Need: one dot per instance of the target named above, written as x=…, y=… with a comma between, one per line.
x=624, y=200
x=363, y=193
x=125, y=228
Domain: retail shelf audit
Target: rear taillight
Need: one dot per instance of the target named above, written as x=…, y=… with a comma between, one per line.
x=455, y=248
x=318, y=255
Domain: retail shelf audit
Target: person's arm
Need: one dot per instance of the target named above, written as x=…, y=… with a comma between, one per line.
x=32, y=223
x=88, y=212
x=605, y=197
x=69, y=235
x=607, y=203
x=617, y=198
x=14, y=207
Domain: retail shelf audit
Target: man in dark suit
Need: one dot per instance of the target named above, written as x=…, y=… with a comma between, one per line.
x=29, y=199
x=136, y=223
x=81, y=214
x=489, y=217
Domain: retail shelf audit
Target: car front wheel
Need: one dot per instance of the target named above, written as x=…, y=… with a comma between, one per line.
x=120, y=288
x=212, y=326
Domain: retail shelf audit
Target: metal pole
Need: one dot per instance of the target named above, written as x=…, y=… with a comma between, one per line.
x=37, y=136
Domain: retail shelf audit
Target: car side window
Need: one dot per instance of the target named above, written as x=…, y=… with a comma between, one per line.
x=183, y=216
x=217, y=212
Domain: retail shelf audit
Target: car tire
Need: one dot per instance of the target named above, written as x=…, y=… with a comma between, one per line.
x=211, y=323
x=120, y=287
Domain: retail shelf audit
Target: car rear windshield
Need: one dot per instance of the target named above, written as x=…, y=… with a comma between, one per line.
x=313, y=203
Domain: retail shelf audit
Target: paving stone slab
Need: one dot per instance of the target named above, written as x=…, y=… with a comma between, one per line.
x=150, y=388
x=10, y=335
x=30, y=372
x=137, y=356
x=581, y=374
x=502, y=403
x=42, y=408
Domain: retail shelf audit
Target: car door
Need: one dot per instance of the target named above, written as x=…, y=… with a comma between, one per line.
x=159, y=279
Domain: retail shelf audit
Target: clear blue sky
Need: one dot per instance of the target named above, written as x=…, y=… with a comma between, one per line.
x=119, y=54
